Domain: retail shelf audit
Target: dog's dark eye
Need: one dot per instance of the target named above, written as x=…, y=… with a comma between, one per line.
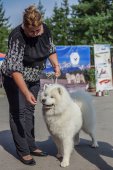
x=52, y=97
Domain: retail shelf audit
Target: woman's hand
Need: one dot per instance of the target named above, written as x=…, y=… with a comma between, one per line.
x=57, y=70
x=18, y=78
x=54, y=62
x=30, y=98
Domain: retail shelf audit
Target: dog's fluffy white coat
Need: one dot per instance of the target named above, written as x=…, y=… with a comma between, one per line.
x=65, y=115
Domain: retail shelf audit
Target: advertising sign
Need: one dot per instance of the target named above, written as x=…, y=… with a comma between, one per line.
x=103, y=71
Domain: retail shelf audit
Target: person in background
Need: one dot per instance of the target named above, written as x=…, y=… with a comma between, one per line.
x=29, y=46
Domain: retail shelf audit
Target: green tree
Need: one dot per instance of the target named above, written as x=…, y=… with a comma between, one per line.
x=59, y=23
x=4, y=29
x=91, y=22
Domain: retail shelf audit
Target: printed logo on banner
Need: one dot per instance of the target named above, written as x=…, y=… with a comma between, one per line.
x=74, y=58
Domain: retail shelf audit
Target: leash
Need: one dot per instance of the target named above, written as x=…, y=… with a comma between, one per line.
x=53, y=79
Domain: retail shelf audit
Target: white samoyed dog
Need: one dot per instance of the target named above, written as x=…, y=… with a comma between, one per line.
x=65, y=115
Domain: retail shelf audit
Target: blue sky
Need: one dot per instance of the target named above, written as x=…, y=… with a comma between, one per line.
x=14, y=8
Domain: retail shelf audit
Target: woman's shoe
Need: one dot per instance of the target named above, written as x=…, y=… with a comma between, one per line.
x=30, y=162
x=42, y=153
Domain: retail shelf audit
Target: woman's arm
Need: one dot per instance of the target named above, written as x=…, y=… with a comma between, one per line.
x=14, y=65
x=54, y=62
x=18, y=78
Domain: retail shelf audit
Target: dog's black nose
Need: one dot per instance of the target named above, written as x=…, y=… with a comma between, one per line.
x=43, y=100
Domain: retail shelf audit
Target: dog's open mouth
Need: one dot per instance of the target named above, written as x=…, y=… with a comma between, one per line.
x=48, y=106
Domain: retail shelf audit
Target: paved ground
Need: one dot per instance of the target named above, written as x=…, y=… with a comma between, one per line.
x=83, y=157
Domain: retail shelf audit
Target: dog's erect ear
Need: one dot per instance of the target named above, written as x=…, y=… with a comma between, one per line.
x=45, y=86
x=60, y=90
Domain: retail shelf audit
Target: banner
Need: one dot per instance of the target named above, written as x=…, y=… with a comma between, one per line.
x=72, y=58
x=2, y=56
x=73, y=61
x=103, y=71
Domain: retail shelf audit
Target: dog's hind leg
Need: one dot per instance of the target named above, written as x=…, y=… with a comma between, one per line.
x=67, y=150
x=93, y=137
x=76, y=139
x=94, y=141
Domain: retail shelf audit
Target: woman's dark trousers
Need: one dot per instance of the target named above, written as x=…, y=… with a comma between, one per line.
x=21, y=115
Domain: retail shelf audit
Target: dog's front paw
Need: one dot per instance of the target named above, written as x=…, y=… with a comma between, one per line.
x=64, y=164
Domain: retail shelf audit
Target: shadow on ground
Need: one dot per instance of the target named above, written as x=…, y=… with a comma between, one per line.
x=6, y=142
x=94, y=155
x=90, y=154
